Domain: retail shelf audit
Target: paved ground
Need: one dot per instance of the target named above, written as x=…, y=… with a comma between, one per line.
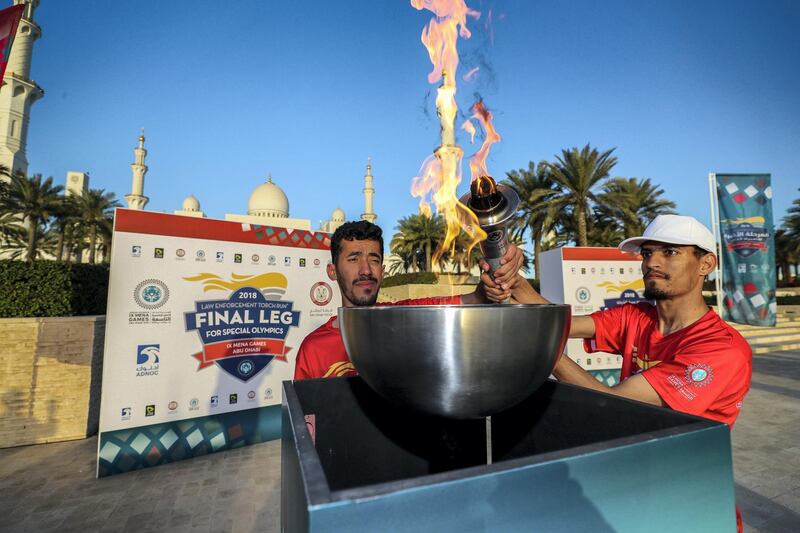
x=52, y=487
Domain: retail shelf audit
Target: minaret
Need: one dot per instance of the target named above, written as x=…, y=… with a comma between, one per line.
x=136, y=199
x=368, y=215
x=19, y=92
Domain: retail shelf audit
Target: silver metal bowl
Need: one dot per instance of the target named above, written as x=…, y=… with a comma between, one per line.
x=456, y=361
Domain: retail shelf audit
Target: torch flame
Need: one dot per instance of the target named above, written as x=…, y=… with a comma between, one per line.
x=477, y=163
x=469, y=75
x=440, y=174
x=469, y=127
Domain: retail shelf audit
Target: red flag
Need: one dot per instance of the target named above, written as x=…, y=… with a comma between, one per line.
x=9, y=19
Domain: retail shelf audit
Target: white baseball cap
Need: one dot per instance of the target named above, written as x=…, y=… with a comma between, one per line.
x=673, y=229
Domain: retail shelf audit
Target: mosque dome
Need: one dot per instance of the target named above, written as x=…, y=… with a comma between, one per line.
x=191, y=203
x=338, y=215
x=268, y=200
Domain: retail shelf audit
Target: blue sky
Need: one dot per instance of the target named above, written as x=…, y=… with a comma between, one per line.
x=230, y=91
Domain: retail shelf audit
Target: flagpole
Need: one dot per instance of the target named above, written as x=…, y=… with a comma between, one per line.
x=715, y=229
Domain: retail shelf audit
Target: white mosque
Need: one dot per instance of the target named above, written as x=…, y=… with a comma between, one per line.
x=267, y=205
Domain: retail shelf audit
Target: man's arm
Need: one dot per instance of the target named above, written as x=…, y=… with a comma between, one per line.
x=582, y=327
x=634, y=388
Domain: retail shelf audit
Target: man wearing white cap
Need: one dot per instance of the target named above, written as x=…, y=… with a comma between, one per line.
x=678, y=353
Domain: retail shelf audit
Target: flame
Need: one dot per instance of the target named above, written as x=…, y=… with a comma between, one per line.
x=469, y=75
x=441, y=34
x=477, y=163
x=469, y=127
x=440, y=174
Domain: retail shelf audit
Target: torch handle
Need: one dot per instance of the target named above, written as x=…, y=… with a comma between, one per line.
x=494, y=264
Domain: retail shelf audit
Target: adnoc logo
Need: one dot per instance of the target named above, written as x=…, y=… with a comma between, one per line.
x=242, y=334
x=147, y=359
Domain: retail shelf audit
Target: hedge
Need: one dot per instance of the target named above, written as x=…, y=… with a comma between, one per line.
x=50, y=288
x=413, y=278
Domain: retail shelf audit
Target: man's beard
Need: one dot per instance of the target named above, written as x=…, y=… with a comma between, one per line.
x=366, y=300
x=652, y=293
x=655, y=294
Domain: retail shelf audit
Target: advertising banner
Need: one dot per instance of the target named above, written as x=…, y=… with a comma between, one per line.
x=204, y=321
x=591, y=279
x=747, y=248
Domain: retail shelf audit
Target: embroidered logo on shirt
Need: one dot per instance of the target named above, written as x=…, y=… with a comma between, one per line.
x=699, y=374
x=644, y=362
x=340, y=369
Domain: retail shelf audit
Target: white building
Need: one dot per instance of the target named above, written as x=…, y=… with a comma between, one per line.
x=268, y=205
x=19, y=92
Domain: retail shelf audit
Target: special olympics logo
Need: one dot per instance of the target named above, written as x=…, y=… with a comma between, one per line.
x=321, y=293
x=246, y=367
x=151, y=294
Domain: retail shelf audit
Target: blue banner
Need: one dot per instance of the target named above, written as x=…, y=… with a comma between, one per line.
x=748, y=248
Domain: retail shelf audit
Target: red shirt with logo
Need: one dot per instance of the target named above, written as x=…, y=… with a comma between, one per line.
x=703, y=369
x=322, y=353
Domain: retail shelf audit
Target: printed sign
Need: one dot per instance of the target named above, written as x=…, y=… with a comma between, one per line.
x=591, y=279
x=747, y=249
x=201, y=315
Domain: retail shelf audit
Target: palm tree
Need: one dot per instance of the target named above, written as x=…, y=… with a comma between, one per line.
x=66, y=218
x=633, y=203
x=600, y=229
x=106, y=232
x=787, y=253
x=95, y=206
x=536, y=189
x=577, y=173
x=419, y=233
x=33, y=202
x=791, y=243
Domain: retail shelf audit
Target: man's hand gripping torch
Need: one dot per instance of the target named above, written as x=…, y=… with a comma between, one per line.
x=494, y=205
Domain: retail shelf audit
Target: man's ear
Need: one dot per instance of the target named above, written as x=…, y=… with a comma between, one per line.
x=331, y=271
x=707, y=264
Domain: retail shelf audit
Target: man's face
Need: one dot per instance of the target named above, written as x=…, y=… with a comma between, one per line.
x=359, y=272
x=671, y=270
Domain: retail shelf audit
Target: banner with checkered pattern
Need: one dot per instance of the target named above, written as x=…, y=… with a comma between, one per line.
x=204, y=321
x=748, y=248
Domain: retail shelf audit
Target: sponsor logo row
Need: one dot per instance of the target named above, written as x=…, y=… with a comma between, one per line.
x=173, y=406
x=603, y=270
x=201, y=256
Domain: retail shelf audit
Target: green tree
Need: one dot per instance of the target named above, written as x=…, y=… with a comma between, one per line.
x=577, y=173
x=600, y=230
x=418, y=234
x=33, y=202
x=789, y=246
x=95, y=207
x=66, y=219
x=787, y=253
x=536, y=190
x=633, y=203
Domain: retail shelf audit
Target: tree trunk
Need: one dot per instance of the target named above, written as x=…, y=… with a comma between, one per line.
x=92, y=243
x=60, y=246
x=31, y=251
x=537, y=250
x=582, y=240
x=68, y=245
x=428, y=257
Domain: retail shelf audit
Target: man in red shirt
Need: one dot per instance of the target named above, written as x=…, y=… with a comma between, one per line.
x=357, y=253
x=678, y=353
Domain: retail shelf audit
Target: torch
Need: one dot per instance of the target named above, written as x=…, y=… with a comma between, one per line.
x=493, y=204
